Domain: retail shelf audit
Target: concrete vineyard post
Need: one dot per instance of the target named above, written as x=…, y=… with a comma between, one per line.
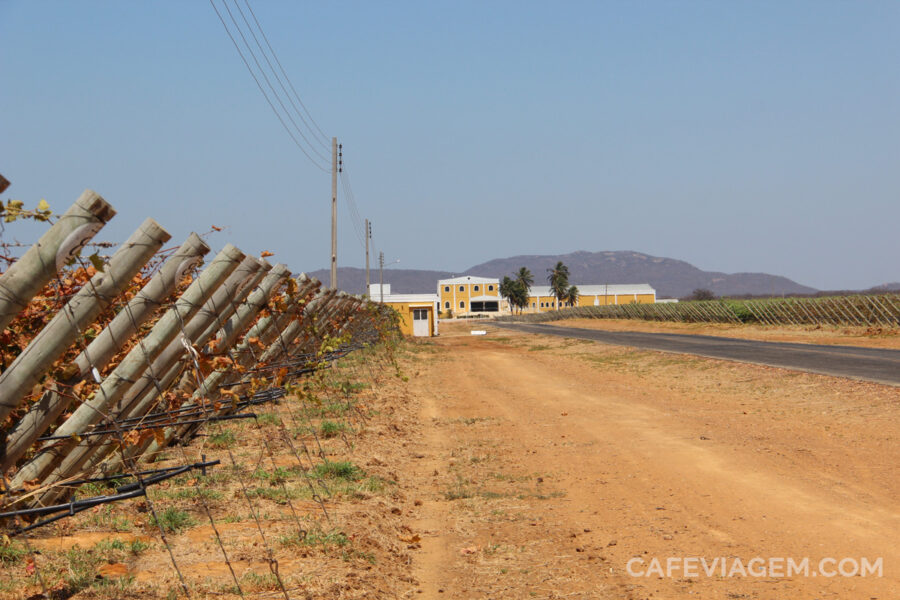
x=136, y=361
x=25, y=277
x=77, y=314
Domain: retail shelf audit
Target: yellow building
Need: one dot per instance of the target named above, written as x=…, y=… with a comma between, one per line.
x=469, y=295
x=418, y=312
x=542, y=300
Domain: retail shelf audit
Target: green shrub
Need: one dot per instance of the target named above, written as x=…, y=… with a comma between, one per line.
x=330, y=429
x=338, y=470
x=11, y=553
x=173, y=520
x=224, y=439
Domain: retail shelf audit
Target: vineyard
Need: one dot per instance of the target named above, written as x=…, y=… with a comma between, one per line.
x=882, y=311
x=122, y=375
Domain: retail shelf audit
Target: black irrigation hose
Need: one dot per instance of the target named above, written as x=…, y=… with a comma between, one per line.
x=311, y=362
x=201, y=465
x=125, y=492
x=153, y=425
x=189, y=411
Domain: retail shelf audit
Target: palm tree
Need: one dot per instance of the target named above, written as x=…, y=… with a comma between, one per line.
x=507, y=290
x=519, y=295
x=559, y=281
x=572, y=295
x=525, y=277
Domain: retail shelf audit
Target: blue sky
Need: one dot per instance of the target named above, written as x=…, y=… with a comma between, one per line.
x=739, y=136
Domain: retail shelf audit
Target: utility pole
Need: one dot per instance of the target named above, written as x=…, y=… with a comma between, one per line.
x=334, y=172
x=368, y=237
x=381, y=274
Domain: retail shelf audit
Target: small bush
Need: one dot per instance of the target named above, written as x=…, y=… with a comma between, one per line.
x=278, y=494
x=173, y=520
x=278, y=475
x=330, y=429
x=339, y=470
x=221, y=440
x=317, y=537
x=264, y=582
x=11, y=553
x=268, y=419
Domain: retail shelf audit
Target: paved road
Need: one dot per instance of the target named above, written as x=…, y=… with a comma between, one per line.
x=871, y=364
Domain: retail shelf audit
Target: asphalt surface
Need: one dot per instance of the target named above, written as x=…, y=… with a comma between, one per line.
x=870, y=364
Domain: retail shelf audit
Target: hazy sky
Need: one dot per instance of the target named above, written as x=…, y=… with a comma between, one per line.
x=739, y=136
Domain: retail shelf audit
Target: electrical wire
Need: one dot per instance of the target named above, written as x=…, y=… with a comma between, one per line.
x=324, y=139
x=263, y=91
x=355, y=219
x=278, y=79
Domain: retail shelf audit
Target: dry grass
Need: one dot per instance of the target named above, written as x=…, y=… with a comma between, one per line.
x=338, y=429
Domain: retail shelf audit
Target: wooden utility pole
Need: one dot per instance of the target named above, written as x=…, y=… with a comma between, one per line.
x=381, y=274
x=334, y=213
x=368, y=237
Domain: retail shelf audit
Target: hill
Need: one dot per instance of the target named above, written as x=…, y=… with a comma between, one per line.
x=672, y=278
x=886, y=287
x=403, y=281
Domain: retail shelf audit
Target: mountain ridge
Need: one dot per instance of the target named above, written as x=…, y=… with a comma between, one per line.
x=672, y=278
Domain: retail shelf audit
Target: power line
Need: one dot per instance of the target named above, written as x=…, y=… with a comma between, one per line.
x=278, y=79
x=324, y=138
x=266, y=77
x=354, y=213
x=262, y=90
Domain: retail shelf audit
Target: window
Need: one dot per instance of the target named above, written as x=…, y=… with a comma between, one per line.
x=446, y=305
x=446, y=288
x=542, y=305
x=462, y=288
x=489, y=306
x=490, y=288
x=462, y=304
x=475, y=289
x=532, y=305
x=420, y=314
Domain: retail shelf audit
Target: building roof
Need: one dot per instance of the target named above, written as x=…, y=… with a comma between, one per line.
x=467, y=279
x=613, y=289
x=405, y=298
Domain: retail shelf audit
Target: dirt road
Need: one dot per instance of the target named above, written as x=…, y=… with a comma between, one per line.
x=546, y=465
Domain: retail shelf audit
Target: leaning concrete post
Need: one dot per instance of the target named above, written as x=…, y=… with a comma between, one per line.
x=143, y=305
x=311, y=314
x=45, y=411
x=246, y=312
x=25, y=277
x=269, y=329
x=145, y=389
x=142, y=396
x=236, y=301
x=115, y=465
x=77, y=314
x=165, y=359
x=230, y=305
x=135, y=362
